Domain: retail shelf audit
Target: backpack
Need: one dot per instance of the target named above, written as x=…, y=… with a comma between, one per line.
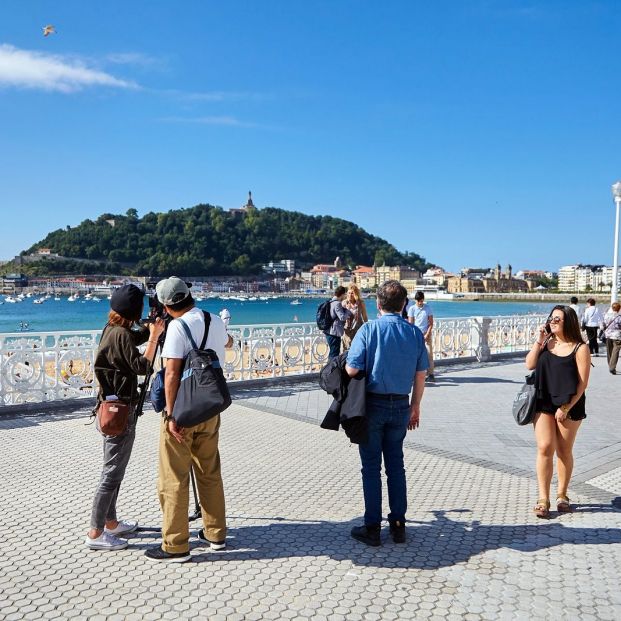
x=324, y=316
x=404, y=312
x=203, y=392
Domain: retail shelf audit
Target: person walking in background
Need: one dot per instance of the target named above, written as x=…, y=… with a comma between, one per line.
x=392, y=354
x=355, y=304
x=612, y=332
x=573, y=303
x=592, y=321
x=339, y=315
x=562, y=375
x=421, y=316
x=118, y=363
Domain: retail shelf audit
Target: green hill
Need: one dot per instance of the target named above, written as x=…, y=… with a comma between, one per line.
x=206, y=240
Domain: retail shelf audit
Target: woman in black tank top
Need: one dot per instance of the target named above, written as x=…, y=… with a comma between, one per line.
x=562, y=366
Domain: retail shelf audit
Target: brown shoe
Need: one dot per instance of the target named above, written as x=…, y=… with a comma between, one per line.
x=542, y=509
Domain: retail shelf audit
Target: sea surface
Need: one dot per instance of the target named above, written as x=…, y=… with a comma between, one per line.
x=52, y=316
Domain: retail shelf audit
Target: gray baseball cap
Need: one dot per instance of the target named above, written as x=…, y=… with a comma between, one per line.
x=172, y=290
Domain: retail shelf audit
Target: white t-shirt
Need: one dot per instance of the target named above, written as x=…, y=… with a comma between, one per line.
x=177, y=344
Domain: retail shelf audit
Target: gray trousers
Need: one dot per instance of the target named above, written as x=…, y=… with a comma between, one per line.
x=116, y=453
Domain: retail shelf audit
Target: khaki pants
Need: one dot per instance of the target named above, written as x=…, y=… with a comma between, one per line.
x=200, y=450
x=429, y=346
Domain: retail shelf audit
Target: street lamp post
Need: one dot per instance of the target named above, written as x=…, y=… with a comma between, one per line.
x=616, y=194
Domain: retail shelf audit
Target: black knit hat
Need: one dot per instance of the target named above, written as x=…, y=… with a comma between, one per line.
x=127, y=302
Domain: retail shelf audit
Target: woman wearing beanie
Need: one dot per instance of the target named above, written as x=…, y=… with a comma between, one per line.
x=118, y=364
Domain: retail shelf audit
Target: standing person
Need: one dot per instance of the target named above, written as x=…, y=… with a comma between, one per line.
x=195, y=447
x=355, y=304
x=421, y=316
x=612, y=332
x=118, y=363
x=592, y=321
x=562, y=371
x=573, y=303
x=392, y=354
x=339, y=316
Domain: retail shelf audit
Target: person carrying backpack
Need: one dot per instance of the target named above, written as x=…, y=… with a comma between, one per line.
x=196, y=446
x=338, y=315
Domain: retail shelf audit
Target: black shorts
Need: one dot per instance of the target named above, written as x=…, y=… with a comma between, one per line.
x=578, y=412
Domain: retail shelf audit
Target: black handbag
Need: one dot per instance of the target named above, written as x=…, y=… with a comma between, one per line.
x=203, y=392
x=525, y=401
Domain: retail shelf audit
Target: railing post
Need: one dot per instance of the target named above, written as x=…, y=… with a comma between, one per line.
x=480, y=338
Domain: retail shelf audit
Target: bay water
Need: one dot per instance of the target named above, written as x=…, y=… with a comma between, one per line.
x=82, y=314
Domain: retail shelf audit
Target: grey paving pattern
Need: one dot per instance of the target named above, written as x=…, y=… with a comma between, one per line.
x=474, y=549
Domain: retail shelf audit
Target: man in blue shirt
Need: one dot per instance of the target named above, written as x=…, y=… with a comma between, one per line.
x=392, y=353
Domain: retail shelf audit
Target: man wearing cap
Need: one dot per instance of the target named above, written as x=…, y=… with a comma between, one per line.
x=181, y=449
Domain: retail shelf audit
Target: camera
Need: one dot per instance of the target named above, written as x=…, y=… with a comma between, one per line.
x=156, y=308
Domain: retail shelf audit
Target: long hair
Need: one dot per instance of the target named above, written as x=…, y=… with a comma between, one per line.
x=358, y=300
x=571, y=327
x=114, y=319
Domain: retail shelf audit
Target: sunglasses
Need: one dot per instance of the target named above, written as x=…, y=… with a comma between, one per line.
x=555, y=319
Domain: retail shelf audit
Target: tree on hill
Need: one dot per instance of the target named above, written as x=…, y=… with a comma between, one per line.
x=206, y=240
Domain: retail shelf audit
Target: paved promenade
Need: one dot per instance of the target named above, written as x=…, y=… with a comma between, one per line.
x=474, y=549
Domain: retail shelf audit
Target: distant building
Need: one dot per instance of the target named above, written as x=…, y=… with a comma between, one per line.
x=583, y=278
x=395, y=272
x=324, y=276
x=364, y=277
x=244, y=209
x=486, y=280
x=284, y=266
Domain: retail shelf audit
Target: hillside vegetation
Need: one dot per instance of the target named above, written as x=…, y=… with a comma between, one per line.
x=206, y=240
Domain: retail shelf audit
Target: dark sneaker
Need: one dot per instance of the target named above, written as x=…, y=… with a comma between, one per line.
x=157, y=554
x=397, y=531
x=431, y=378
x=214, y=545
x=367, y=534
x=613, y=371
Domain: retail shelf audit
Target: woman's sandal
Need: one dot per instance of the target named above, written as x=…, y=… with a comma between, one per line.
x=542, y=509
x=562, y=504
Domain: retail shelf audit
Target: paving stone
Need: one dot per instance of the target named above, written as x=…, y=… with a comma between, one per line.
x=473, y=544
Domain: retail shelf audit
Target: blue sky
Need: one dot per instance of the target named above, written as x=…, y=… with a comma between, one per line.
x=470, y=132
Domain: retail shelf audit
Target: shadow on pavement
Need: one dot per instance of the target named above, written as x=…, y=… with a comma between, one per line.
x=457, y=381
x=442, y=542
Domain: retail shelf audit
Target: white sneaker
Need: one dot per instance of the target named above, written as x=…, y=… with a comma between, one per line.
x=105, y=541
x=122, y=528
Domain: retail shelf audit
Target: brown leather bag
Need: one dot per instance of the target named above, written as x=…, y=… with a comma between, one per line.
x=113, y=417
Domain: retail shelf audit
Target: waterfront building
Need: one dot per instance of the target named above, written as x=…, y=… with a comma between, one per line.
x=487, y=280
x=364, y=277
x=395, y=272
x=585, y=278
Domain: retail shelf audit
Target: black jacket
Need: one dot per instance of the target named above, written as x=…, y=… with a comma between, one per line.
x=118, y=363
x=349, y=406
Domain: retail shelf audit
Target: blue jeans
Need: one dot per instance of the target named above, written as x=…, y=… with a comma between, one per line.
x=334, y=343
x=388, y=424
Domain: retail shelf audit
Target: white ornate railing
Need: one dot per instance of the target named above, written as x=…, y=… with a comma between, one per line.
x=48, y=366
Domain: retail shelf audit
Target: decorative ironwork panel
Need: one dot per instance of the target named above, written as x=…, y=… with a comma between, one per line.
x=46, y=366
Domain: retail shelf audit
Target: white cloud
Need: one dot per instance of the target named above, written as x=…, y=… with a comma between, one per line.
x=39, y=70
x=229, y=121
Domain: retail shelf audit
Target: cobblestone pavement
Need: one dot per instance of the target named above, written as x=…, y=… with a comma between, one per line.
x=474, y=549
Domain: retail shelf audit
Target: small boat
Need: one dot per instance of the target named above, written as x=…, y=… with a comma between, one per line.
x=57, y=299
x=296, y=302
x=73, y=298
x=38, y=301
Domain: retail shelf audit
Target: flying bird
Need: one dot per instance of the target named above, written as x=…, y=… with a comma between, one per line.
x=48, y=30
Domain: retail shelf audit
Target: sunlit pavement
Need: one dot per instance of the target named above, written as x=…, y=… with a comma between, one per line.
x=474, y=548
